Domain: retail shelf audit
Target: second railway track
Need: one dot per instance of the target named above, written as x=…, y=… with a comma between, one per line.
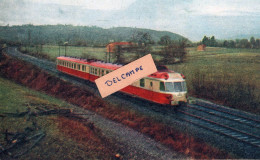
x=222, y=125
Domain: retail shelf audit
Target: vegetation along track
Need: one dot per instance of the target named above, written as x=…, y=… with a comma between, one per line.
x=170, y=117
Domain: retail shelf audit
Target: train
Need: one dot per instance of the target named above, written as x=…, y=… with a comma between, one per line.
x=164, y=87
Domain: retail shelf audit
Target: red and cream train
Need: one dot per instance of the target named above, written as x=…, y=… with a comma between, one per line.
x=163, y=87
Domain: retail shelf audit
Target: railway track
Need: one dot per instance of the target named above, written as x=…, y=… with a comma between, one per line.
x=218, y=125
x=239, y=126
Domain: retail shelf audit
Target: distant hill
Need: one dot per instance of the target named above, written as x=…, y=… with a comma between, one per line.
x=75, y=35
x=244, y=36
x=126, y=32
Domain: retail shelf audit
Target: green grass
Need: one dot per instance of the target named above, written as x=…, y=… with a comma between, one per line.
x=15, y=98
x=55, y=51
x=56, y=144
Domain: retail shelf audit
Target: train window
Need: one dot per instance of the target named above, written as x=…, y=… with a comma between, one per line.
x=151, y=84
x=175, y=86
x=102, y=72
x=107, y=72
x=95, y=71
x=78, y=67
x=162, y=87
x=142, y=82
x=83, y=68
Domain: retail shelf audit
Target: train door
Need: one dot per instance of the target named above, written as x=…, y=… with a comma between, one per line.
x=151, y=89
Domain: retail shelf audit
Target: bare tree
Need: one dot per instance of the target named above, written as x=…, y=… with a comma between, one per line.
x=174, y=52
x=144, y=40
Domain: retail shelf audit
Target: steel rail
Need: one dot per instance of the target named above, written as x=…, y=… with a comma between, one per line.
x=213, y=108
x=222, y=116
x=223, y=126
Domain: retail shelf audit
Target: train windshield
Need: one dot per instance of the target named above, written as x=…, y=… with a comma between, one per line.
x=175, y=86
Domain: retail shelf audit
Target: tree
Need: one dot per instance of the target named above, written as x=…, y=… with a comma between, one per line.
x=119, y=55
x=232, y=44
x=173, y=52
x=165, y=40
x=213, y=41
x=253, y=42
x=243, y=43
x=257, y=42
x=143, y=40
x=205, y=40
x=225, y=43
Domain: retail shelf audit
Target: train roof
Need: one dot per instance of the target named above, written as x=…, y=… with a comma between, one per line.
x=162, y=73
x=91, y=62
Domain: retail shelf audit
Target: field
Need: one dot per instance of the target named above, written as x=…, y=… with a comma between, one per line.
x=54, y=51
x=227, y=76
x=59, y=141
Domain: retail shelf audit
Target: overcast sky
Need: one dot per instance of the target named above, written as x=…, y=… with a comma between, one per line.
x=190, y=18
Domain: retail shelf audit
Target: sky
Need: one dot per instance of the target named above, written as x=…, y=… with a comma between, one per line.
x=224, y=19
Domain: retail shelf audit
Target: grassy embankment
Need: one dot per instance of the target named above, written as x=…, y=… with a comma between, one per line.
x=227, y=76
x=65, y=138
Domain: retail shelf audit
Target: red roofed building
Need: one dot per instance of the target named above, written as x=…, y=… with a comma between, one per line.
x=201, y=47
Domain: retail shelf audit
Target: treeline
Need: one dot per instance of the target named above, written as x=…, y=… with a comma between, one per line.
x=170, y=51
x=238, y=43
x=74, y=35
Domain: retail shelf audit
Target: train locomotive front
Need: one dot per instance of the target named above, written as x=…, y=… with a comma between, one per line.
x=164, y=87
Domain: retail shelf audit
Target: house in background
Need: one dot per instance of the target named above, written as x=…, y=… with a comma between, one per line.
x=201, y=47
